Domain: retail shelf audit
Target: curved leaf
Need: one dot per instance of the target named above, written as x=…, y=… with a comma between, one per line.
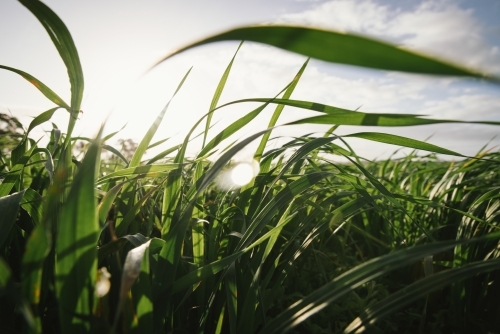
x=49, y=93
x=403, y=141
x=419, y=289
x=42, y=118
x=64, y=44
x=337, y=47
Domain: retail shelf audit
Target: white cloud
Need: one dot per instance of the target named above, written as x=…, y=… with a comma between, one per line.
x=438, y=27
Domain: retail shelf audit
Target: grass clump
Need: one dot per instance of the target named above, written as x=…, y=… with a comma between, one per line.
x=129, y=244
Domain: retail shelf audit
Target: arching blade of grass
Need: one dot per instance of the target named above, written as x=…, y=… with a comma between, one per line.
x=9, y=207
x=344, y=48
x=372, y=119
x=78, y=232
x=314, y=106
x=64, y=44
x=339, y=116
x=403, y=141
x=116, y=152
x=277, y=112
x=217, y=94
x=419, y=289
x=49, y=93
x=330, y=292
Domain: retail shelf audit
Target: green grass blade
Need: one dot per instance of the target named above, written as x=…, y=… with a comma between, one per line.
x=64, y=44
x=403, y=141
x=42, y=118
x=40, y=86
x=146, y=140
x=277, y=112
x=116, y=152
x=313, y=106
x=217, y=94
x=231, y=129
x=163, y=154
x=77, y=237
x=336, y=47
x=112, y=134
x=372, y=119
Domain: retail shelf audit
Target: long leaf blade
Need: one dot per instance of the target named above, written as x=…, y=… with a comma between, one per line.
x=340, y=48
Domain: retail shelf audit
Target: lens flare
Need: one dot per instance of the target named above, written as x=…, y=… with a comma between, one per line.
x=242, y=174
x=239, y=175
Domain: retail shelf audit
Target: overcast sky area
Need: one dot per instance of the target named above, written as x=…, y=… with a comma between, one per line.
x=118, y=41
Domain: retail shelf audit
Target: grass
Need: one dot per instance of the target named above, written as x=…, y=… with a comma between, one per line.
x=153, y=245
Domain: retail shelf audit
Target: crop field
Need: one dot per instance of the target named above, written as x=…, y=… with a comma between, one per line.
x=308, y=237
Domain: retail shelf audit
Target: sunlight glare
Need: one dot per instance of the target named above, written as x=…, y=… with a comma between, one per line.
x=242, y=174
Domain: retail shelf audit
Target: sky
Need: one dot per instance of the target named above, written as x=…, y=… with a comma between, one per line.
x=118, y=41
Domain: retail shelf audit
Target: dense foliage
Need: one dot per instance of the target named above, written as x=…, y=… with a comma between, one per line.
x=165, y=245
